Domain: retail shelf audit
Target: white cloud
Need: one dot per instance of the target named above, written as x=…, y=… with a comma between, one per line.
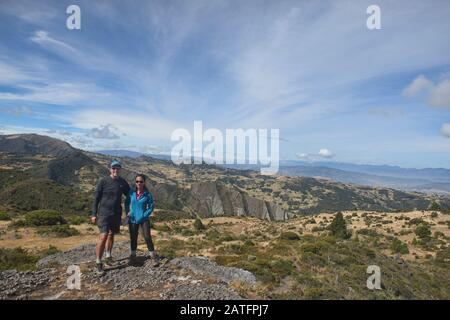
x=41, y=37
x=103, y=132
x=325, y=153
x=303, y=156
x=10, y=74
x=418, y=85
x=136, y=124
x=58, y=93
x=445, y=130
x=440, y=95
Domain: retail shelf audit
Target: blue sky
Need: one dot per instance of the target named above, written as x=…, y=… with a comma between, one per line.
x=137, y=70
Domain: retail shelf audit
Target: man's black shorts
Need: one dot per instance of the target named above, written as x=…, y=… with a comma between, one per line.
x=107, y=223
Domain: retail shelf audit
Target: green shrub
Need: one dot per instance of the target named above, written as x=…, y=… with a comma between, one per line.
x=77, y=220
x=44, y=218
x=17, y=258
x=289, y=236
x=423, y=231
x=164, y=227
x=368, y=232
x=399, y=247
x=187, y=232
x=61, y=231
x=227, y=237
x=198, y=225
x=4, y=216
x=338, y=227
x=435, y=206
x=51, y=250
x=434, y=214
x=415, y=221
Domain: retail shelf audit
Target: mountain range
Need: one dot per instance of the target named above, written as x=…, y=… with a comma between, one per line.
x=69, y=175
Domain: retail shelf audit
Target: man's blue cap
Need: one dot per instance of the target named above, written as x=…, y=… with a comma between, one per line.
x=115, y=163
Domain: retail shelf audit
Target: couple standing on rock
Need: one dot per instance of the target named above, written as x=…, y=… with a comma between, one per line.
x=107, y=214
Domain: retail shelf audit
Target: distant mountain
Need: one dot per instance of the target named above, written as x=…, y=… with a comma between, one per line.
x=435, y=174
x=32, y=144
x=132, y=154
x=427, y=180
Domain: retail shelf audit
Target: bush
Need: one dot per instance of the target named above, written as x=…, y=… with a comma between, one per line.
x=289, y=236
x=227, y=237
x=338, y=227
x=4, y=216
x=399, y=247
x=164, y=227
x=51, y=250
x=198, y=225
x=423, y=231
x=17, y=258
x=44, y=218
x=77, y=220
x=61, y=231
x=415, y=221
x=435, y=206
x=434, y=214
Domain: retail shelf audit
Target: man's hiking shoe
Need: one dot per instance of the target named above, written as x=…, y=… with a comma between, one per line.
x=109, y=262
x=99, y=269
x=132, y=260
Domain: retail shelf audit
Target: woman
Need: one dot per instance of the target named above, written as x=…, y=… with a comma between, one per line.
x=139, y=206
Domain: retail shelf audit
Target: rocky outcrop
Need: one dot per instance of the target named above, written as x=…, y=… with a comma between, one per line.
x=210, y=199
x=184, y=278
x=204, y=266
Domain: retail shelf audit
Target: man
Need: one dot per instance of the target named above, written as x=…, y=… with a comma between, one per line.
x=107, y=212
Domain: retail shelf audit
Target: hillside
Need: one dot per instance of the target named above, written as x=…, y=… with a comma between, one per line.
x=294, y=259
x=202, y=190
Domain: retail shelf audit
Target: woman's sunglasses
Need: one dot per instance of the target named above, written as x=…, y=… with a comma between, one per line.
x=139, y=181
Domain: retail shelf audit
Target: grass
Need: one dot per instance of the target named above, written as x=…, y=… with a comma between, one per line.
x=4, y=216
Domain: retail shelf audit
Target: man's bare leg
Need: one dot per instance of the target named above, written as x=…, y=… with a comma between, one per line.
x=100, y=247
x=109, y=243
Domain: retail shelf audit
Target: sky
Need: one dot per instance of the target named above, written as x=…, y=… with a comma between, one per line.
x=138, y=70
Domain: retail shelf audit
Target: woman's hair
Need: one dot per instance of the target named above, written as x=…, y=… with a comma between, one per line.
x=140, y=175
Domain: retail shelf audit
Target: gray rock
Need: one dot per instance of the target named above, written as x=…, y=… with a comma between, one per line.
x=210, y=199
x=204, y=266
x=82, y=254
x=17, y=285
x=199, y=291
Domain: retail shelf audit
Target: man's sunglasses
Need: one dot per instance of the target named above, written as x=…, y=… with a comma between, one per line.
x=116, y=168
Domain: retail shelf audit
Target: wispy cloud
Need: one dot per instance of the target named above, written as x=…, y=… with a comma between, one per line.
x=438, y=95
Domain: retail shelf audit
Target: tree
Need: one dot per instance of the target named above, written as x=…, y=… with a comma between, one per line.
x=435, y=206
x=338, y=227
